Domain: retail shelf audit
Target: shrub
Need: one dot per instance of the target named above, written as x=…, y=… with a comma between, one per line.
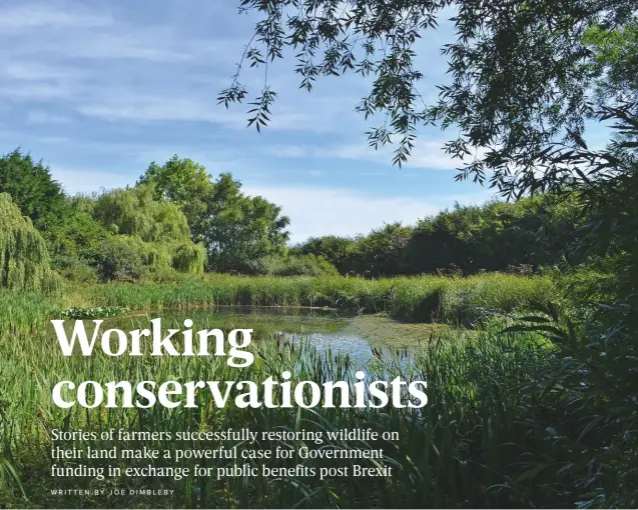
x=299, y=265
x=75, y=269
x=189, y=258
x=119, y=260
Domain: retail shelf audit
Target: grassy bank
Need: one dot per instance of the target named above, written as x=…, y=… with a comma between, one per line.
x=423, y=298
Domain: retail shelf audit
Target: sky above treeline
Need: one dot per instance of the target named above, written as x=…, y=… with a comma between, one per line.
x=99, y=89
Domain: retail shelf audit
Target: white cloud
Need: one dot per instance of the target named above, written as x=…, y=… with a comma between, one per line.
x=34, y=91
x=76, y=180
x=425, y=154
x=128, y=104
x=112, y=43
x=70, y=30
x=52, y=14
x=317, y=211
x=430, y=154
x=45, y=118
x=32, y=80
x=36, y=71
x=120, y=45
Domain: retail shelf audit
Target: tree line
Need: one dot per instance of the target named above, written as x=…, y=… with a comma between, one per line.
x=175, y=219
x=520, y=236
x=179, y=219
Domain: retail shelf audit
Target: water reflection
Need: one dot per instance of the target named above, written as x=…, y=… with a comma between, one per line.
x=363, y=339
x=357, y=348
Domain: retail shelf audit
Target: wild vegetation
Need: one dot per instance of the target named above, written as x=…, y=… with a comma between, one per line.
x=497, y=236
x=421, y=476
x=417, y=299
x=533, y=403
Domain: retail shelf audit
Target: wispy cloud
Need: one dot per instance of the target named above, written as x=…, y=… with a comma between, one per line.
x=66, y=29
x=317, y=211
x=427, y=154
x=38, y=71
x=38, y=117
x=133, y=106
x=35, y=80
x=35, y=15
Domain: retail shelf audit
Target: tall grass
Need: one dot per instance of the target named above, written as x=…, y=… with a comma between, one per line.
x=422, y=298
x=506, y=423
x=465, y=448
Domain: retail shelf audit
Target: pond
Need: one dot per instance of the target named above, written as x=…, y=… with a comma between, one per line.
x=362, y=338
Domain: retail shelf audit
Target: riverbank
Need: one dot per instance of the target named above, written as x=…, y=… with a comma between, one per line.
x=423, y=299
x=419, y=299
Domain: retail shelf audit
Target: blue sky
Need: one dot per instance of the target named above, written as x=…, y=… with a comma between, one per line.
x=99, y=89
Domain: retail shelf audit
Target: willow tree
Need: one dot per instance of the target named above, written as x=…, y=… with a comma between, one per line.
x=24, y=260
x=155, y=229
x=525, y=79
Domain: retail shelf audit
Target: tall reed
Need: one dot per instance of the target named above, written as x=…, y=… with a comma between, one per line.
x=422, y=298
x=451, y=453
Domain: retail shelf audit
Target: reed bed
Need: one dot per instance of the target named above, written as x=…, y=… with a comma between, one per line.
x=467, y=447
x=474, y=444
x=506, y=424
x=421, y=299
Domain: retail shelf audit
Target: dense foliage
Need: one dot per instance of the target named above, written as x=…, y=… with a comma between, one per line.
x=31, y=188
x=236, y=229
x=241, y=229
x=147, y=234
x=24, y=259
x=498, y=236
x=185, y=183
x=176, y=219
x=71, y=236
